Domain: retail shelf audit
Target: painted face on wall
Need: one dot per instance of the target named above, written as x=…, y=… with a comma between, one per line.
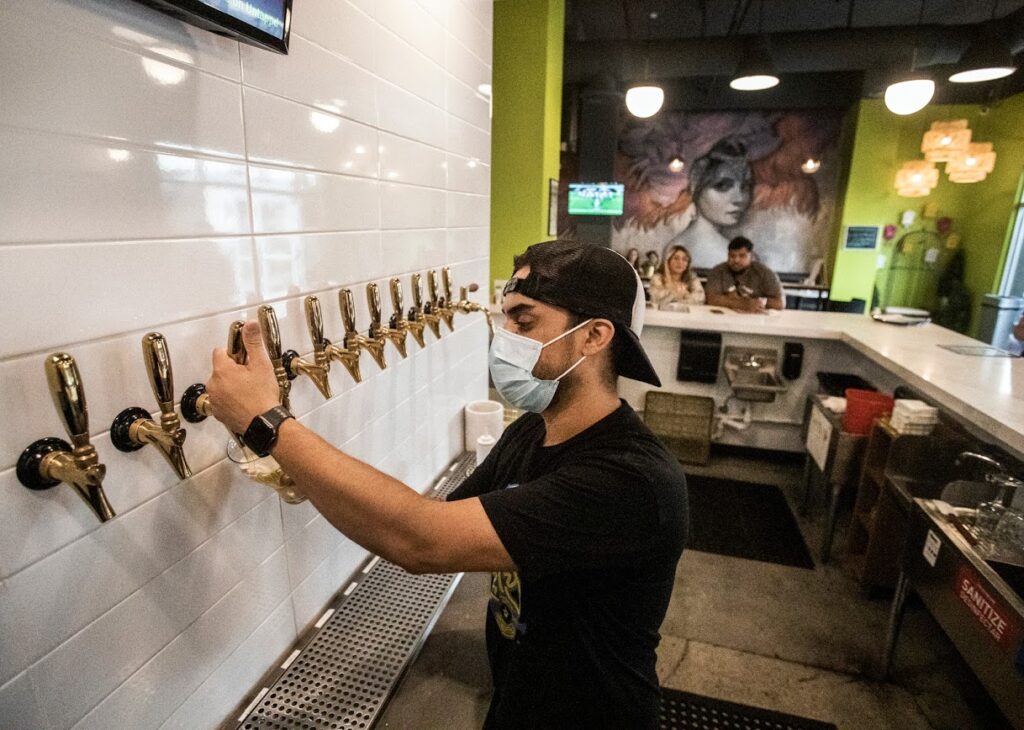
x=726, y=197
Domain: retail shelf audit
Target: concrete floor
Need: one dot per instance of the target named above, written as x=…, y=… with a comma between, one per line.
x=800, y=641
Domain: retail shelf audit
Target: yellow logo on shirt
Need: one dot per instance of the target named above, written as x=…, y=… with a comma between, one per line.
x=507, y=590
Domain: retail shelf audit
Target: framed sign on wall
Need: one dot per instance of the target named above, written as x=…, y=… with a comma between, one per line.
x=861, y=238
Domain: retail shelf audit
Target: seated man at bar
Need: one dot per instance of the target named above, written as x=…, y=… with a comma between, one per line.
x=743, y=284
x=579, y=512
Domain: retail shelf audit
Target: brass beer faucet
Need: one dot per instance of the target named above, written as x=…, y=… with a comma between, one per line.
x=421, y=312
x=355, y=341
x=397, y=335
x=441, y=306
x=195, y=401
x=318, y=369
x=133, y=427
x=272, y=340
x=466, y=306
x=398, y=319
x=50, y=461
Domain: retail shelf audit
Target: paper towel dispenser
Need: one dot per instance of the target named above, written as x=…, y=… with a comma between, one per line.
x=699, y=355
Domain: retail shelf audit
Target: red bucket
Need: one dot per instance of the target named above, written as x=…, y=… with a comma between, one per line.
x=863, y=407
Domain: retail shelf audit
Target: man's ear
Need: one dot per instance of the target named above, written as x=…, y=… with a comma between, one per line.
x=600, y=333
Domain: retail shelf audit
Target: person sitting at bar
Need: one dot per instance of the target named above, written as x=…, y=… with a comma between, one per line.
x=650, y=265
x=676, y=283
x=743, y=284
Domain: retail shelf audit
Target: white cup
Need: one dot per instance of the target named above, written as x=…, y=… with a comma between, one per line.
x=483, y=417
x=484, y=444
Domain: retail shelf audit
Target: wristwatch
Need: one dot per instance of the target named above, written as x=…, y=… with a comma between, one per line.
x=262, y=432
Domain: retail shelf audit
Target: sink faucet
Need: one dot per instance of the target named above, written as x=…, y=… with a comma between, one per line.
x=998, y=475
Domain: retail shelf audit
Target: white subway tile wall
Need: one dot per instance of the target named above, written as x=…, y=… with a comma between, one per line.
x=155, y=176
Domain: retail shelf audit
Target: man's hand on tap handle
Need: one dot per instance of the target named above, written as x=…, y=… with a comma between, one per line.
x=239, y=393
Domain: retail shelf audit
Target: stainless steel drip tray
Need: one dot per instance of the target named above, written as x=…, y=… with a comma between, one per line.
x=350, y=662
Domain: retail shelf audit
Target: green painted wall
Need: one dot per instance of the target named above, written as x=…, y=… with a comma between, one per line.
x=981, y=212
x=526, y=124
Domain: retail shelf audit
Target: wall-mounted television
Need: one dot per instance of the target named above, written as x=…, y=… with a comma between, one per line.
x=596, y=198
x=263, y=23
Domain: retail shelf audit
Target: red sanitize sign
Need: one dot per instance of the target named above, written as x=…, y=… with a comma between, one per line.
x=996, y=620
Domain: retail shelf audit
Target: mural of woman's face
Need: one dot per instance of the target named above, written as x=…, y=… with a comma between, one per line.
x=727, y=196
x=678, y=263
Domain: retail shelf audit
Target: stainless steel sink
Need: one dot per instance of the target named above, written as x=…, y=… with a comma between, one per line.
x=753, y=373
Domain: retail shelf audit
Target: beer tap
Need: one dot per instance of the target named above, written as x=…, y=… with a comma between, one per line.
x=195, y=401
x=353, y=340
x=421, y=312
x=348, y=354
x=318, y=369
x=412, y=325
x=272, y=341
x=133, y=427
x=466, y=306
x=397, y=335
x=50, y=461
x=441, y=306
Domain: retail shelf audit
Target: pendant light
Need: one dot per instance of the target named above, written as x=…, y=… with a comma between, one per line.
x=916, y=178
x=987, y=57
x=972, y=165
x=913, y=90
x=945, y=140
x=644, y=100
x=810, y=166
x=756, y=71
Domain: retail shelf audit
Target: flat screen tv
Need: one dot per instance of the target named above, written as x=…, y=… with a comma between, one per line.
x=263, y=23
x=596, y=198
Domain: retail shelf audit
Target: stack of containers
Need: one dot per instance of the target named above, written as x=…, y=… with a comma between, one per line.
x=914, y=417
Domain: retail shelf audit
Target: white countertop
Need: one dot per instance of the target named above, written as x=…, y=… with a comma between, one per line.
x=987, y=392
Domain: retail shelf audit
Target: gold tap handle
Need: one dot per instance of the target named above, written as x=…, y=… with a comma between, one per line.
x=315, y=322
x=446, y=284
x=432, y=286
x=158, y=366
x=236, y=345
x=348, y=310
x=271, y=333
x=68, y=396
x=417, y=291
x=397, y=303
x=373, y=302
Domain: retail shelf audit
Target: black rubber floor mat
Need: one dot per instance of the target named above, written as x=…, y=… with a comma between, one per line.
x=744, y=520
x=685, y=711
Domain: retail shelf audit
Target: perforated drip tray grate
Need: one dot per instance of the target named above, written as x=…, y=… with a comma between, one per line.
x=355, y=655
x=685, y=711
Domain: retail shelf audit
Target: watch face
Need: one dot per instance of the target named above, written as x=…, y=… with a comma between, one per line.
x=260, y=435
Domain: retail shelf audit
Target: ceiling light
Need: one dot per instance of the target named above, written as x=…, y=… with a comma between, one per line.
x=986, y=59
x=811, y=165
x=909, y=96
x=755, y=72
x=973, y=164
x=916, y=178
x=676, y=165
x=945, y=139
x=644, y=101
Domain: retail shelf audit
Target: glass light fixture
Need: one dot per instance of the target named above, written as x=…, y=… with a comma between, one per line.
x=811, y=165
x=945, y=139
x=676, y=165
x=909, y=96
x=916, y=178
x=645, y=101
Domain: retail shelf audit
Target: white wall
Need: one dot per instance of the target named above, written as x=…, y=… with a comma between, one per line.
x=154, y=176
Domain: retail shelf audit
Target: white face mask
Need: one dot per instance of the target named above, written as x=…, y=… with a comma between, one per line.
x=511, y=361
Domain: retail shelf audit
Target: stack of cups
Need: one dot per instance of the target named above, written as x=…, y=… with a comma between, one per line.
x=485, y=420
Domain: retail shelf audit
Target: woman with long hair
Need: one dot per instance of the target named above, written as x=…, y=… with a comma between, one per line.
x=676, y=282
x=633, y=257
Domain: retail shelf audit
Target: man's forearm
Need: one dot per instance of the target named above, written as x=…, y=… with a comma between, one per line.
x=371, y=508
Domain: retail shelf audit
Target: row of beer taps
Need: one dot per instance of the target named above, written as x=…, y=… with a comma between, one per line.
x=50, y=461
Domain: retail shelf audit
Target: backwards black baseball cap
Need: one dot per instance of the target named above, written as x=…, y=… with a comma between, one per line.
x=592, y=281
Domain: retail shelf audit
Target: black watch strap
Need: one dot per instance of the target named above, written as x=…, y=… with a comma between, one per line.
x=262, y=432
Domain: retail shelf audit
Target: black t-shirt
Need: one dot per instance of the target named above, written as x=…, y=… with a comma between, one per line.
x=595, y=526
